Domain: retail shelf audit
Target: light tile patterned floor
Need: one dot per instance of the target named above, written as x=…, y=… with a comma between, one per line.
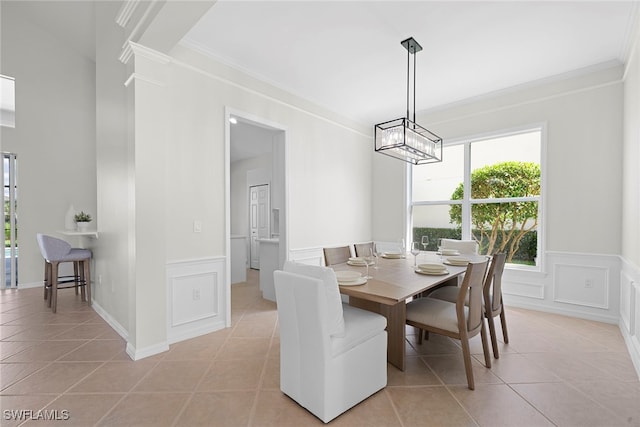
x=555, y=371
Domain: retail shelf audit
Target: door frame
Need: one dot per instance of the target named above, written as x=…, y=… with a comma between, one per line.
x=284, y=228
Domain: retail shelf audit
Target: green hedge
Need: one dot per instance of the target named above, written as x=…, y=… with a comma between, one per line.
x=525, y=254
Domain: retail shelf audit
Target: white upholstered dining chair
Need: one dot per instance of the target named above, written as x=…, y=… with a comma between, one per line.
x=465, y=247
x=332, y=356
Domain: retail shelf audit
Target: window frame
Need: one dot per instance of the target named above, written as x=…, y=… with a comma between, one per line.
x=467, y=201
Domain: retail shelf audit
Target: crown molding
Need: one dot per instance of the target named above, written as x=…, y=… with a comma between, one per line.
x=145, y=52
x=140, y=77
x=126, y=12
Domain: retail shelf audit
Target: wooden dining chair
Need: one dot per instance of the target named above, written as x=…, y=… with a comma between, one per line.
x=338, y=255
x=492, y=299
x=493, y=305
x=363, y=249
x=456, y=320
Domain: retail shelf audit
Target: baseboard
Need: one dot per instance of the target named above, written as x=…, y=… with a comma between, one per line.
x=137, y=354
x=115, y=325
x=30, y=285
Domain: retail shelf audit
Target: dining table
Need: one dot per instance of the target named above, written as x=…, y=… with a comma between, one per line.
x=392, y=282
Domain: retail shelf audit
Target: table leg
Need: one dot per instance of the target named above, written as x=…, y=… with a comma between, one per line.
x=396, y=316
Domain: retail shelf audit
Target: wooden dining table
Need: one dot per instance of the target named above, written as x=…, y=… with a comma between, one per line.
x=393, y=282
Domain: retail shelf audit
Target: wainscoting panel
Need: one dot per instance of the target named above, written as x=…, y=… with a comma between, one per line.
x=196, y=295
x=581, y=285
x=312, y=256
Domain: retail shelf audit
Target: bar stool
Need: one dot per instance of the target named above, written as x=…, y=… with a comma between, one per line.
x=56, y=251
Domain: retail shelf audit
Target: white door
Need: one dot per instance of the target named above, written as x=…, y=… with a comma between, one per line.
x=259, y=207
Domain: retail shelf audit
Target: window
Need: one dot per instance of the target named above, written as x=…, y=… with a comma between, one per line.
x=7, y=102
x=485, y=189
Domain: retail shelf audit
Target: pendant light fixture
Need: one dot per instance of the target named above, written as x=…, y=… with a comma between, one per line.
x=403, y=138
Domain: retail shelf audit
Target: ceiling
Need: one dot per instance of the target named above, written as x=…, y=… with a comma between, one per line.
x=347, y=56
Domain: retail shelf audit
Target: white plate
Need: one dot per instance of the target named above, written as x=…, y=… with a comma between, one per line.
x=431, y=266
x=457, y=263
x=447, y=252
x=359, y=263
x=392, y=255
x=360, y=281
x=432, y=273
x=347, y=276
x=356, y=259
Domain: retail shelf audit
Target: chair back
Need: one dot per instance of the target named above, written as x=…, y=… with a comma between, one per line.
x=363, y=249
x=51, y=248
x=337, y=255
x=304, y=336
x=465, y=247
x=493, y=284
x=471, y=293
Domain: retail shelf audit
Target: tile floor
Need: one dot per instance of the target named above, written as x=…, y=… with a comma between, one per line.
x=555, y=371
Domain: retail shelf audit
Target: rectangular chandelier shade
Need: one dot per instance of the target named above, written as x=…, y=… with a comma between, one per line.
x=408, y=141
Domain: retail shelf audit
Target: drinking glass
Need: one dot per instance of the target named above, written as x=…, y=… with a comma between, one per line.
x=415, y=251
x=376, y=256
x=402, y=247
x=368, y=259
x=425, y=242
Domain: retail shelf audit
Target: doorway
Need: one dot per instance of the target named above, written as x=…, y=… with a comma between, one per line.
x=256, y=157
x=259, y=208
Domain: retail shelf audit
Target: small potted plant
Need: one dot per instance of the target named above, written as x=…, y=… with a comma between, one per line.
x=82, y=220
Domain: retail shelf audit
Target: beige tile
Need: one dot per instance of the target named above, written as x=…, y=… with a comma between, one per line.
x=174, y=376
x=201, y=348
x=45, y=351
x=498, y=405
x=218, y=409
x=146, y=409
x=98, y=350
x=516, y=368
x=13, y=372
x=39, y=332
x=420, y=406
x=271, y=378
x=9, y=348
x=450, y=370
x=616, y=365
x=568, y=366
x=416, y=372
x=244, y=348
x=240, y=374
x=18, y=409
x=78, y=410
x=435, y=345
x=84, y=331
x=254, y=328
x=563, y=406
x=7, y=330
x=622, y=398
x=113, y=377
x=275, y=409
x=376, y=410
x=56, y=378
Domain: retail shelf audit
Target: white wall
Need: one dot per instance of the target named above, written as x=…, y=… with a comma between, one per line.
x=582, y=189
x=630, y=276
x=54, y=137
